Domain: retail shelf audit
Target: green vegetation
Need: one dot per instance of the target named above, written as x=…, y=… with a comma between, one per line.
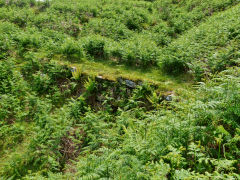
x=126, y=89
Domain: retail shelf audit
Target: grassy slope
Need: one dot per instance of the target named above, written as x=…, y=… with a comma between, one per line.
x=86, y=18
x=113, y=71
x=200, y=47
x=208, y=48
x=205, y=48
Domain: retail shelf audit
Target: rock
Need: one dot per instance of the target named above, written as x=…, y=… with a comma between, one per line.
x=99, y=77
x=127, y=82
x=73, y=69
x=169, y=98
x=130, y=84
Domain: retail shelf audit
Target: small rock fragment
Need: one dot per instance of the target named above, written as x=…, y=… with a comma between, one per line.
x=169, y=98
x=73, y=69
x=99, y=77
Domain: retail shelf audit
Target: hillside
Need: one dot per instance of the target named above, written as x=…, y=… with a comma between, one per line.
x=119, y=89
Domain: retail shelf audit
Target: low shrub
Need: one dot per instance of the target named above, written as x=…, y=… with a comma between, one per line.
x=6, y=77
x=138, y=51
x=94, y=45
x=108, y=28
x=172, y=62
x=72, y=49
x=137, y=19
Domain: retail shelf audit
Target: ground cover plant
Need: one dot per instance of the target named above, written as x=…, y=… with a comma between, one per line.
x=126, y=89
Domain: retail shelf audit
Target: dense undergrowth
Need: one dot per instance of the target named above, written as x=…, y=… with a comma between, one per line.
x=137, y=33
x=59, y=123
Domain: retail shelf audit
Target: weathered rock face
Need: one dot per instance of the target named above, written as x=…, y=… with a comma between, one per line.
x=169, y=98
x=110, y=94
x=130, y=84
x=73, y=69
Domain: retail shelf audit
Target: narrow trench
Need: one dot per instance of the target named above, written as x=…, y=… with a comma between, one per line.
x=107, y=95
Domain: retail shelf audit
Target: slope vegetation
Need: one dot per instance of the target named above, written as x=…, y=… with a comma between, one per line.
x=111, y=89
